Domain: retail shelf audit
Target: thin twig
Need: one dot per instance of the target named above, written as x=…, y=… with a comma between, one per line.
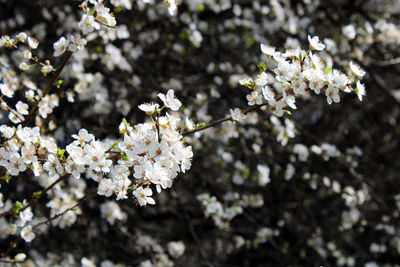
x=49, y=86
x=11, y=110
x=34, y=59
x=65, y=211
x=35, y=198
x=381, y=82
x=7, y=261
x=14, y=243
x=388, y=62
x=229, y=118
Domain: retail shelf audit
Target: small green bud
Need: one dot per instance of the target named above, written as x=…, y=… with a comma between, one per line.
x=38, y=194
x=124, y=156
x=60, y=153
x=59, y=83
x=200, y=125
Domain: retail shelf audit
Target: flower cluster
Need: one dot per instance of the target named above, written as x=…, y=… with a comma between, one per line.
x=155, y=151
x=150, y=153
x=102, y=16
x=297, y=73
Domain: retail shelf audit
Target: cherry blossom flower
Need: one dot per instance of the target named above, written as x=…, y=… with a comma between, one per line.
x=149, y=108
x=22, y=107
x=170, y=101
x=27, y=234
x=143, y=196
x=16, y=164
x=7, y=89
x=332, y=94
x=276, y=107
x=267, y=50
x=254, y=98
x=172, y=7
x=315, y=44
x=33, y=43
x=21, y=37
x=237, y=115
x=264, y=172
x=53, y=165
x=27, y=54
x=106, y=187
x=26, y=216
x=88, y=24
x=60, y=46
x=83, y=137
x=360, y=90
x=356, y=70
x=20, y=257
x=77, y=44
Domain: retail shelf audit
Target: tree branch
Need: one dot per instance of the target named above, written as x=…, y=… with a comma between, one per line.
x=35, y=198
x=14, y=243
x=65, y=211
x=49, y=86
x=217, y=122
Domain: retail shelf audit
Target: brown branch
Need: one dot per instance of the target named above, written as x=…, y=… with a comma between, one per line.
x=381, y=83
x=36, y=60
x=388, y=62
x=217, y=122
x=35, y=198
x=49, y=86
x=65, y=211
x=12, y=110
x=14, y=243
x=7, y=261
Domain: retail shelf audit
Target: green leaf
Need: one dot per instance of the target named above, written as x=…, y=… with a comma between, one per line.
x=8, y=178
x=200, y=125
x=288, y=112
x=246, y=173
x=98, y=49
x=261, y=67
x=115, y=145
x=124, y=156
x=37, y=194
x=17, y=206
x=60, y=153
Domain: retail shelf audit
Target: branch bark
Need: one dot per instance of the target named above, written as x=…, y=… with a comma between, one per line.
x=48, y=88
